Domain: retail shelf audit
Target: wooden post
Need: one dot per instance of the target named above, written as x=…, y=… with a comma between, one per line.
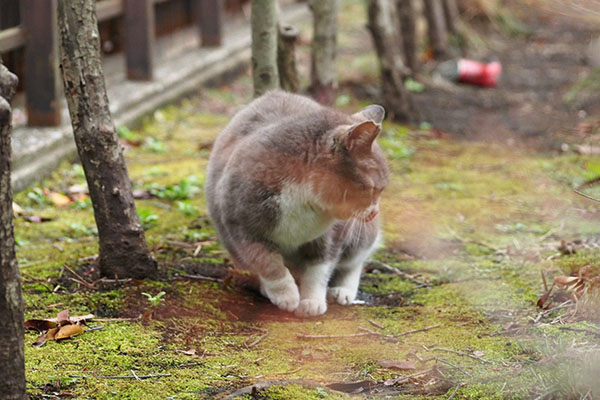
x=139, y=39
x=286, y=58
x=210, y=18
x=41, y=62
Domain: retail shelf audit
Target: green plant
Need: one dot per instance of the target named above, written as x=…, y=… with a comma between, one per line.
x=189, y=210
x=185, y=189
x=156, y=299
x=37, y=197
x=147, y=217
x=413, y=86
x=155, y=145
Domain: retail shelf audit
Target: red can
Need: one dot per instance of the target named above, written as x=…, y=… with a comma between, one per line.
x=478, y=73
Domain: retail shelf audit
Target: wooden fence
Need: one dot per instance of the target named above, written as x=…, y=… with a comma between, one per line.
x=28, y=41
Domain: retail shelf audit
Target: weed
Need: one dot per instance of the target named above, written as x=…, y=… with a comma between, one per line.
x=147, y=217
x=156, y=299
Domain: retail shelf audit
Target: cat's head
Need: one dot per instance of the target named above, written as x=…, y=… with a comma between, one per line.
x=354, y=173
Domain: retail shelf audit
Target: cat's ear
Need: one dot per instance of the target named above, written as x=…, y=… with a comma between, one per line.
x=360, y=137
x=373, y=112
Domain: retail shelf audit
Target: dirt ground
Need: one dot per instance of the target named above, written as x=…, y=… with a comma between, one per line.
x=479, y=220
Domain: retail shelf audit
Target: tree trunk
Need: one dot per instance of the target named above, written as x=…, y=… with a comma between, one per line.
x=264, y=46
x=451, y=15
x=383, y=26
x=12, y=359
x=286, y=58
x=408, y=31
x=323, y=68
x=123, y=250
x=436, y=28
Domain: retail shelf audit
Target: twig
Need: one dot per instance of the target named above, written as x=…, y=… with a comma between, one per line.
x=135, y=375
x=376, y=325
x=116, y=319
x=544, y=313
x=200, y=277
x=257, y=340
x=404, y=378
x=374, y=264
x=348, y=335
x=587, y=196
x=96, y=328
x=417, y=330
x=138, y=377
x=591, y=332
x=453, y=366
x=83, y=281
x=366, y=332
x=453, y=392
x=544, y=280
x=460, y=353
x=478, y=243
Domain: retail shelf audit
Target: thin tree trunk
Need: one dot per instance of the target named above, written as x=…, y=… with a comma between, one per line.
x=408, y=30
x=264, y=46
x=286, y=58
x=323, y=68
x=123, y=249
x=436, y=28
x=451, y=14
x=383, y=26
x=12, y=359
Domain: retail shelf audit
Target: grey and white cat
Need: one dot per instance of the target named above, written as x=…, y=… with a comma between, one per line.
x=293, y=189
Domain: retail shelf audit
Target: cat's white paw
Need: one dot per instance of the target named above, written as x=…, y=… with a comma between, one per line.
x=284, y=293
x=311, y=307
x=341, y=294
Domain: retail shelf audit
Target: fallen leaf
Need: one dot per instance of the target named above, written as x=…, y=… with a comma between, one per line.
x=190, y=352
x=17, y=209
x=68, y=331
x=40, y=341
x=141, y=194
x=63, y=318
x=478, y=353
x=40, y=325
x=51, y=334
x=401, y=365
x=565, y=280
x=59, y=199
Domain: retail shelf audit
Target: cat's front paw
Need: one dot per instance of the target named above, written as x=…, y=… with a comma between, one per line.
x=284, y=294
x=311, y=307
x=341, y=295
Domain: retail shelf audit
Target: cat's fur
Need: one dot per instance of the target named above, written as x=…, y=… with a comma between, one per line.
x=293, y=189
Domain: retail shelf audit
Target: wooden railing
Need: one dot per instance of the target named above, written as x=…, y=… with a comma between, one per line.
x=37, y=35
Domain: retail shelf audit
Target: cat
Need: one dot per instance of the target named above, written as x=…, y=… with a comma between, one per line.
x=293, y=190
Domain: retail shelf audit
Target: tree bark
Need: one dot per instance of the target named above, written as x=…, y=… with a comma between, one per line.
x=12, y=359
x=123, y=249
x=436, y=28
x=451, y=14
x=264, y=46
x=323, y=68
x=286, y=58
x=383, y=26
x=408, y=31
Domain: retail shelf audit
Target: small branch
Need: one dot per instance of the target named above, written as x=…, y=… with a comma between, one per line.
x=453, y=366
x=80, y=278
x=460, y=353
x=453, y=392
x=375, y=324
x=417, y=330
x=374, y=264
x=589, y=331
x=349, y=335
x=257, y=340
x=587, y=196
x=199, y=278
x=135, y=376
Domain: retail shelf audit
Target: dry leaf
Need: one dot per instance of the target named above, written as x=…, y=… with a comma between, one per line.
x=17, y=209
x=63, y=318
x=68, y=331
x=401, y=365
x=59, y=199
x=190, y=352
x=478, y=353
x=40, y=325
x=565, y=280
x=51, y=334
